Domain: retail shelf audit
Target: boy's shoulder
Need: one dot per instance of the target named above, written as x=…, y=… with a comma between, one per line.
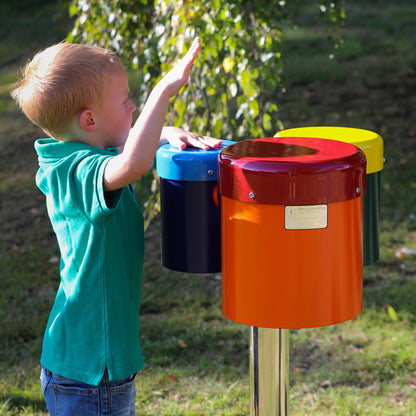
x=49, y=148
x=70, y=174
x=60, y=160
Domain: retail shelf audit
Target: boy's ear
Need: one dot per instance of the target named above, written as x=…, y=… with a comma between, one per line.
x=86, y=120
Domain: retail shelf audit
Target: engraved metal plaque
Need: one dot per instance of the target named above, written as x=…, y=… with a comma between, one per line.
x=306, y=217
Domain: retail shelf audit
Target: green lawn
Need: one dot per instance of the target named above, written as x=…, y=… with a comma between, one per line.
x=197, y=361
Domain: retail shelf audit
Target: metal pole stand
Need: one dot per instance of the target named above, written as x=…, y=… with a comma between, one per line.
x=269, y=371
x=318, y=212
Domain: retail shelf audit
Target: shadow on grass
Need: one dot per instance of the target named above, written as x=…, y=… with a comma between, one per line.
x=392, y=284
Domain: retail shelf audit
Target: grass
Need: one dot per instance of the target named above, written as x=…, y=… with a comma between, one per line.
x=197, y=361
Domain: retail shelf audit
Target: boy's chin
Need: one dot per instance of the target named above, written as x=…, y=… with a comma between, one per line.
x=118, y=142
x=122, y=142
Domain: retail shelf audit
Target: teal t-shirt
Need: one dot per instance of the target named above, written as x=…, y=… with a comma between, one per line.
x=94, y=322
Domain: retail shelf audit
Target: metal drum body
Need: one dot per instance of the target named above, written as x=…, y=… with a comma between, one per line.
x=372, y=145
x=190, y=209
x=291, y=232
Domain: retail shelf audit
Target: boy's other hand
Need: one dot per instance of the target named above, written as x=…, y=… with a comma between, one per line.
x=183, y=139
x=177, y=77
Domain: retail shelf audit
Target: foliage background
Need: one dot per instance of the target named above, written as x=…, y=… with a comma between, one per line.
x=237, y=76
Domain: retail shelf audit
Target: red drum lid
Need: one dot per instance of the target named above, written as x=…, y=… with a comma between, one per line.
x=292, y=170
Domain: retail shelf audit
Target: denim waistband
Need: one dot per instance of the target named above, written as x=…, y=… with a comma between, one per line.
x=104, y=381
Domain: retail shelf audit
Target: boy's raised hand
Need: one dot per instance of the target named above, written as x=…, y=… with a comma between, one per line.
x=177, y=77
x=143, y=139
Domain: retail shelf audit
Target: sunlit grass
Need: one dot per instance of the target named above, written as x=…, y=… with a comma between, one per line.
x=197, y=360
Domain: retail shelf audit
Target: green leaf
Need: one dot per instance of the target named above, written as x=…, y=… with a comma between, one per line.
x=179, y=107
x=254, y=108
x=267, y=122
x=392, y=313
x=245, y=82
x=73, y=10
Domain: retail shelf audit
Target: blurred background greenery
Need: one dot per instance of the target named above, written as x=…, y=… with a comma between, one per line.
x=197, y=361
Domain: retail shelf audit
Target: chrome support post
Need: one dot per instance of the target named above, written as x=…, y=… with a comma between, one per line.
x=269, y=371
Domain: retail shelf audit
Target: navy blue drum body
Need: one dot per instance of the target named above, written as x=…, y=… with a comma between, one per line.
x=190, y=208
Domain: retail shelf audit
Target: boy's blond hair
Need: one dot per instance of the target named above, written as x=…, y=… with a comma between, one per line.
x=62, y=81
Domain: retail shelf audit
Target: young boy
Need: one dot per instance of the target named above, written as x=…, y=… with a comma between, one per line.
x=79, y=96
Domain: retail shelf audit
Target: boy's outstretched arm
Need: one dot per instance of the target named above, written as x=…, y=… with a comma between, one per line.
x=142, y=143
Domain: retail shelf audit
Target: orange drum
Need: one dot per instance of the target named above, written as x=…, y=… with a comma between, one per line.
x=292, y=231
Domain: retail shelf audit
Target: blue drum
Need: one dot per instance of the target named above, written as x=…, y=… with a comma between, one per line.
x=190, y=208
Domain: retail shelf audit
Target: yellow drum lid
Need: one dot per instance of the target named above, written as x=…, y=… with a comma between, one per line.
x=368, y=141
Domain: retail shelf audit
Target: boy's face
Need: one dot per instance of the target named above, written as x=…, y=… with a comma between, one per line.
x=114, y=116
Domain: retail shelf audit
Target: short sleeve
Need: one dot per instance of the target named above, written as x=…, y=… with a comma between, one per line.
x=87, y=180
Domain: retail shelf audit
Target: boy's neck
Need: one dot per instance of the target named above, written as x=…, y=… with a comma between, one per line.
x=74, y=133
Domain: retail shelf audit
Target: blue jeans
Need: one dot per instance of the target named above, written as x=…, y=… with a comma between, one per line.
x=66, y=397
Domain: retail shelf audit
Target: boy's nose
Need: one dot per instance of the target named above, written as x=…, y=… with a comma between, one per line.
x=132, y=106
